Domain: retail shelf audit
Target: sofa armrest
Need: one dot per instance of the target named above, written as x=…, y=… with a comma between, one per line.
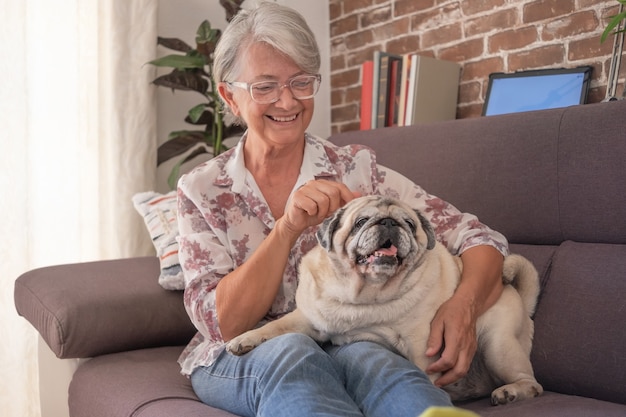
x=93, y=308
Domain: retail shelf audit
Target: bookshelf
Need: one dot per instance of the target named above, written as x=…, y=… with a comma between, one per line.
x=399, y=90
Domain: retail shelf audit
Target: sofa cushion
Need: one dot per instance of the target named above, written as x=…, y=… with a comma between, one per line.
x=579, y=324
x=517, y=163
x=115, y=306
x=159, y=214
x=144, y=383
x=592, y=176
x=549, y=404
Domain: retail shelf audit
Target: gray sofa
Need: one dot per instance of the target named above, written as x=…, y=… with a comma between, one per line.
x=554, y=182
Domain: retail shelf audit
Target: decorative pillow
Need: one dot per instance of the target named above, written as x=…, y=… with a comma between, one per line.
x=159, y=214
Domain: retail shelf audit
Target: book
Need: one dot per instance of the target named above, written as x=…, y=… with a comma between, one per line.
x=379, y=104
x=404, y=88
x=433, y=90
x=367, y=79
x=393, y=98
x=383, y=88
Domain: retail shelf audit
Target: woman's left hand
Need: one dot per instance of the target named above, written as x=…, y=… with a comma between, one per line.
x=454, y=330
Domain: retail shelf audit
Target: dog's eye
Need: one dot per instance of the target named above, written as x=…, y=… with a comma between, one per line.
x=360, y=222
x=411, y=225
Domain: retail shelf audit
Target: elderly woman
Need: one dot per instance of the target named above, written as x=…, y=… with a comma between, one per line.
x=248, y=216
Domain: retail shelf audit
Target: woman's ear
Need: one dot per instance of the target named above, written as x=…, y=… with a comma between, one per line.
x=227, y=95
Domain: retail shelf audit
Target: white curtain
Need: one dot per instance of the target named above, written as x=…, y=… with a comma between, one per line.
x=77, y=140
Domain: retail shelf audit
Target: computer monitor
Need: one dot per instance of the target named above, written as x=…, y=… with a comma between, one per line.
x=536, y=90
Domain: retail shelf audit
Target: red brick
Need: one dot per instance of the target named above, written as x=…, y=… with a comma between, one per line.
x=353, y=94
x=335, y=11
x=588, y=48
x=468, y=111
x=464, y=51
x=540, y=57
x=480, y=70
x=358, y=57
x=512, y=39
x=504, y=19
x=345, y=25
x=349, y=7
x=358, y=39
x=571, y=25
x=345, y=78
x=404, y=45
x=403, y=7
x=547, y=9
x=375, y=17
x=338, y=62
x=469, y=92
x=474, y=7
x=346, y=127
x=391, y=30
x=345, y=113
x=597, y=94
x=442, y=35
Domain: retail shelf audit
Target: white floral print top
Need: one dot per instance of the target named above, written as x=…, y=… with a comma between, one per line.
x=223, y=218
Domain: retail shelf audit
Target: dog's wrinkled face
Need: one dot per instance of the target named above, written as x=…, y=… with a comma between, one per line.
x=377, y=236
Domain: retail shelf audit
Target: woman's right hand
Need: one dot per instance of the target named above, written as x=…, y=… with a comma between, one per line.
x=313, y=202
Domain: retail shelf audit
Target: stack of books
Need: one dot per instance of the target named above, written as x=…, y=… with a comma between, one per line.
x=401, y=90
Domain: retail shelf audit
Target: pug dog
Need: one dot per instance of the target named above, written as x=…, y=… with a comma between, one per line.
x=379, y=274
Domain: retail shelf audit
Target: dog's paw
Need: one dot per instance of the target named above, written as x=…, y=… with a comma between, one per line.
x=516, y=391
x=243, y=344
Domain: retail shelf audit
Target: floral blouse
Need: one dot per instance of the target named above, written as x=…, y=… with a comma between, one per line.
x=223, y=218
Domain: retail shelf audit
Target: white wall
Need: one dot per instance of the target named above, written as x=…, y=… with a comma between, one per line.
x=180, y=19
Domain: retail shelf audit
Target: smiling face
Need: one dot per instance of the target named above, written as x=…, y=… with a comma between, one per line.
x=276, y=124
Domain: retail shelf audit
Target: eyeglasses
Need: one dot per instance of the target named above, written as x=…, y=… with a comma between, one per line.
x=302, y=87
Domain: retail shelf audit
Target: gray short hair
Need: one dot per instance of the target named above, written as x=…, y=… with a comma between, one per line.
x=281, y=27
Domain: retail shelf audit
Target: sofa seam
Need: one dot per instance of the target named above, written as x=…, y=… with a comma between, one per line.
x=140, y=407
x=558, y=173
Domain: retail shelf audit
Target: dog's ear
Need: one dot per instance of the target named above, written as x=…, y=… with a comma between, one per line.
x=327, y=229
x=428, y=228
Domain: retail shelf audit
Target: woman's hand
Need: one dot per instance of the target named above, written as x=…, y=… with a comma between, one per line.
x=453, y=330
x=313, y=202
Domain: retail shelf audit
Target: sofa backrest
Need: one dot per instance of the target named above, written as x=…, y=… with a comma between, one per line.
x=538, y=177
x=554, y=183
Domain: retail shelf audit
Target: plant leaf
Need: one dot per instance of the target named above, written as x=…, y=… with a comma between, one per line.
x=178, y=143
x=179, y=62
x=614, y=23
x=174, y=44
x=172, y=179
x=206, y=40
x=184, y=80
x=232, y=7
x=233, y=130
x=195, y=114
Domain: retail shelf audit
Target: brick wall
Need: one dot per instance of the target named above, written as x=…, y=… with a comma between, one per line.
x=484, y=36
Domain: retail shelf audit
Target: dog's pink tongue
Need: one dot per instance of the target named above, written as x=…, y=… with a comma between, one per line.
x=390, y=251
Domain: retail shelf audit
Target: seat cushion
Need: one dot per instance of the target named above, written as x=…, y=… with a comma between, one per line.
x=147, y=383
x=579, y=341
x=144, y=383
x=550, y=404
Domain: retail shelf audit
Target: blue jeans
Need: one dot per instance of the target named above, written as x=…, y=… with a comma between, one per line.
x=291, y=375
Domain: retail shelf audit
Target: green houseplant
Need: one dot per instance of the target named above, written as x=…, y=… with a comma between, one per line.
x=616, y=28
x=614, y=24
x=192, y=71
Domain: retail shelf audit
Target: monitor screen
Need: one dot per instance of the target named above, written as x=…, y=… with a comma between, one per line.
x=536, y=90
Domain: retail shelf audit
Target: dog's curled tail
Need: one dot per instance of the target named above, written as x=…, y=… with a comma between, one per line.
x=522, y=275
